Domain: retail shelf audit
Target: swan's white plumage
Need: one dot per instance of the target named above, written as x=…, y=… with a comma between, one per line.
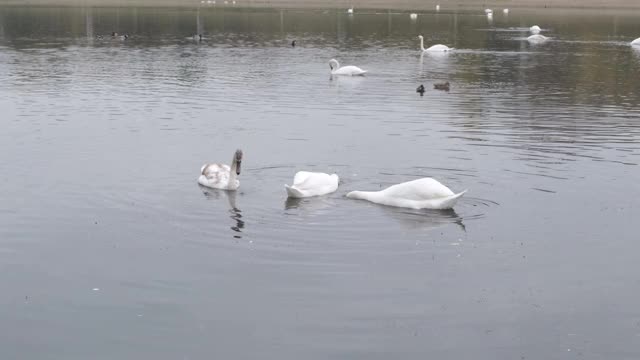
x=636, y=42
x=488, y=11
x=425, y=193
x=438, y=47
x=221, y=176
x=434, y=48
x=505, y=11
x=437, y=7
x=345, y=70
x=413, y=16
x=306, y=184
x=537, y=38
x=535, y=29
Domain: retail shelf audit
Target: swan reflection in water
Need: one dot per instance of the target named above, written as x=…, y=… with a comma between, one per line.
x=310, y=205
x=235, y=213
x=424, y=219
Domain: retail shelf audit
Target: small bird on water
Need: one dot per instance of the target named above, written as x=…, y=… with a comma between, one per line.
x=441, y=86
x=293, y=43
x=420, y=90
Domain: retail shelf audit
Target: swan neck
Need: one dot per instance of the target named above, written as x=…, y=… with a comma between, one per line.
x=366, y=195
x=234, y=167
x=422, y=44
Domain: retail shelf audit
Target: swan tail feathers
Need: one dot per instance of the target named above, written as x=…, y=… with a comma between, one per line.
x=450, y=201
x=293, y=192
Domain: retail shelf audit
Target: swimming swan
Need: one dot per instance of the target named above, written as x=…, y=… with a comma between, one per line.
x=434, y=48
x=413, y=16
x=425, y=193
x=345, y=70
x=535, y=29
x=221, y=176
x=636, y=42
x=537, y=38
x=306, y=184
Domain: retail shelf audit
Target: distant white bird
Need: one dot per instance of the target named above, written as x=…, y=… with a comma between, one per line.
x=535, y=29
x=437, y=7
x=488, y=11
x=434, y=48
x=345, y=70
x=350, y=10
x=505, y=11
x=221, y=176
x=537, y=38
x=306, y=184
x=636, y=42
x=413, y=16
x=425, y=193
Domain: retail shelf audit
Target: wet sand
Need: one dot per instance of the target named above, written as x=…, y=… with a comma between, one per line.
x=445, y=5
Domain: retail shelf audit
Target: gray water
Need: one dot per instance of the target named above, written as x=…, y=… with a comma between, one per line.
x=109, y=249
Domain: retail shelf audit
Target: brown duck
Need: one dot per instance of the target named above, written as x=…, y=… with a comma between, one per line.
x=441, y=86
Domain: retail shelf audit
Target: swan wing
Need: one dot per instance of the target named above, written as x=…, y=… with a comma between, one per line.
x=312, y=184
x=418, y=190
x=636, y=42
x=438, y=47
x=349, y=70
x=215, y=175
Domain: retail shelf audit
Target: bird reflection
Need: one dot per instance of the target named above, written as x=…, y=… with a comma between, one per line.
x=425, y=219
x=234, y=211
x=292, y=203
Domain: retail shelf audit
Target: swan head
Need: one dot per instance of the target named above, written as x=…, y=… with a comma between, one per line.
x=334, y=63
x=420, y=37
x=237, y=157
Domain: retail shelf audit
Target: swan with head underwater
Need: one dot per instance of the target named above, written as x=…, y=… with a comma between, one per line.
x=425, y=193
x=537, y=38
x=434, y=48
x=222, y=176
x=307, y=184
x=345, y=70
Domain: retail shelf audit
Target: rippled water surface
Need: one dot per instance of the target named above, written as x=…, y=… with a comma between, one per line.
x=109, y=249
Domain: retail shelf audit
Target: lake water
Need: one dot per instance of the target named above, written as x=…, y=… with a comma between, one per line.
x=109, y=249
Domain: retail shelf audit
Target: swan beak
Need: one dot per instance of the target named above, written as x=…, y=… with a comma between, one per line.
x=238, y=168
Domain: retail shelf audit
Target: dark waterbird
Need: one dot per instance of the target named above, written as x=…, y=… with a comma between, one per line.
x=441, y=86
x=293, y=43
x=420, y=90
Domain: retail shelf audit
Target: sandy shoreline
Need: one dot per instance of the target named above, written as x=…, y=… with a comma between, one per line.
x=368, y=4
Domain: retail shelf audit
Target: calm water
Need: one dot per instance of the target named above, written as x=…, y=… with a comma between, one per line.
x=109, y=249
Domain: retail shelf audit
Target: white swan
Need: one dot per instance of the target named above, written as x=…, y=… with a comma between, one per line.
x=345, y=70
x=488, y=11
x=306, y=184
x=425, y=193
x=413, y=16
x=221, y=176
x=438, y=7
x=636, y=42
x=505, y=11
x=350, y=10
x=537, y=38
x=535, y=29
x=434, y=48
